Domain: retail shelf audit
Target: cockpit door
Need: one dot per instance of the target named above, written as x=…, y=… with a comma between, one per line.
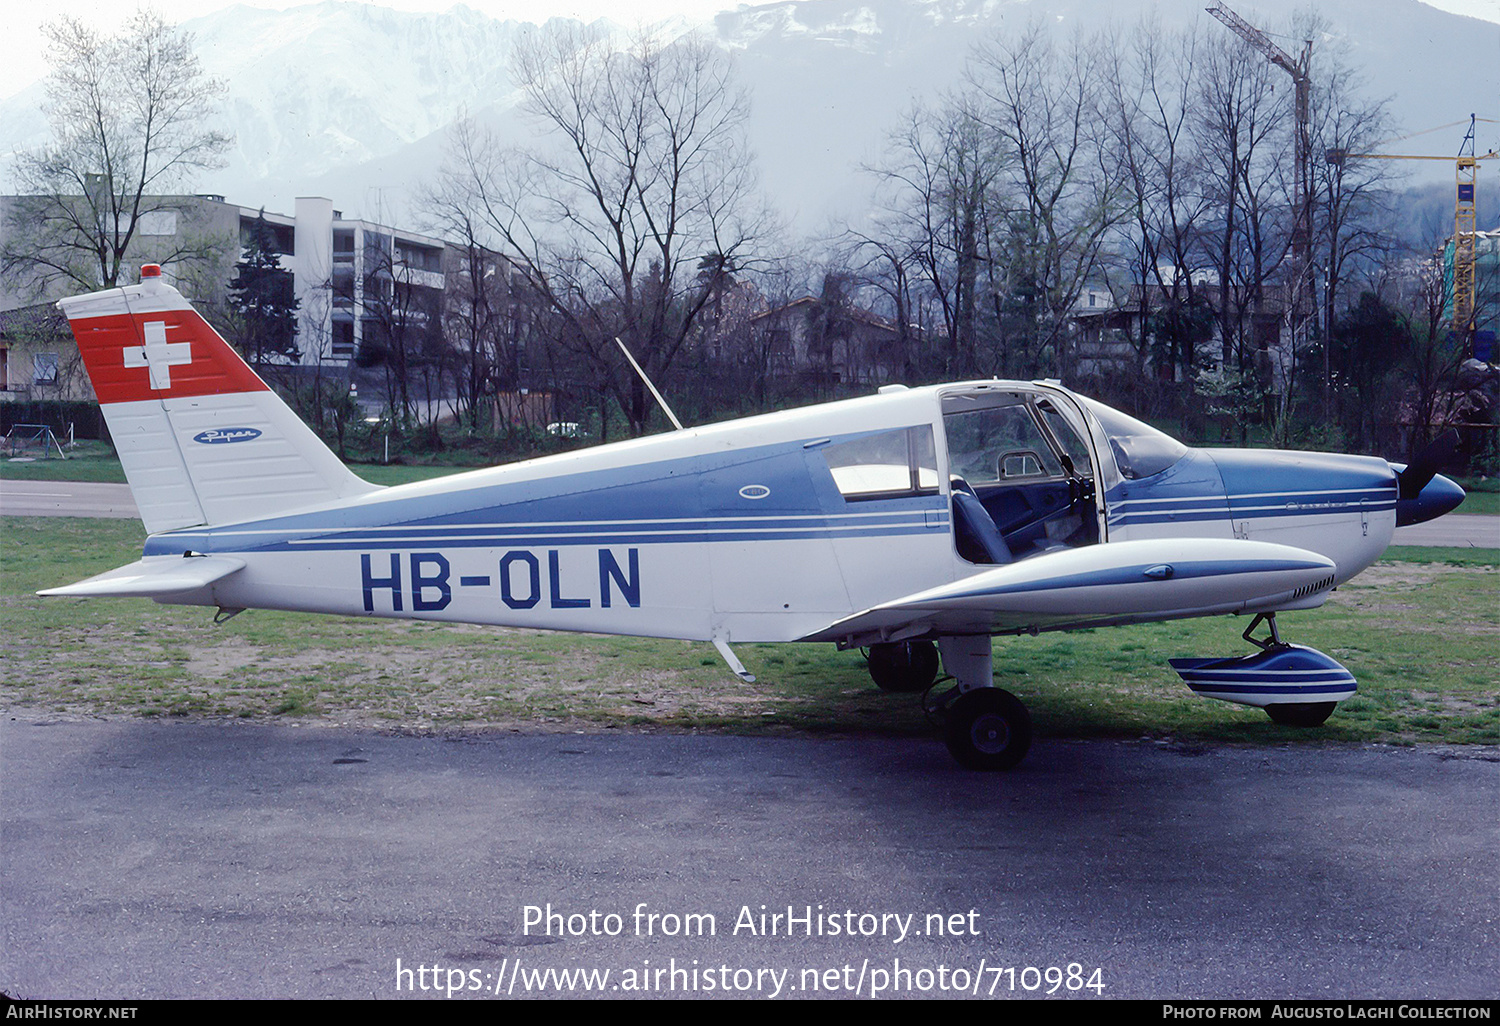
x=1022, y=471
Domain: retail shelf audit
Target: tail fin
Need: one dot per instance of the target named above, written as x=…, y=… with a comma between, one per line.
x=203, y=440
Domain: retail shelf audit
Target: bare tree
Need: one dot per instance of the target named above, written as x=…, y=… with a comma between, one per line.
x=1243, y=135
x=477, y=289
x=1350, y=230
x=644, y=173
x=764, y=358
x=1149, y=117
x=939, y=183
x=1042, y=102
x=403, y=331
x=886, y=267
x=131, y=119
x=1420, y=288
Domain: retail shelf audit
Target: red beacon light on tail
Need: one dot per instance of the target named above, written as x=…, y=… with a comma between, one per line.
x=150, y=271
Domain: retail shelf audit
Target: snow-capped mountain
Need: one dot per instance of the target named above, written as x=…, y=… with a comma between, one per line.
x=352, y=101
x=339, y=83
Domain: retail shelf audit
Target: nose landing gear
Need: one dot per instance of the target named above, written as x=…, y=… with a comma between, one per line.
x=1297, y=686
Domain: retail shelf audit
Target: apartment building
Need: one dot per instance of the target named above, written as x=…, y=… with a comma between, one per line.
x=356, y=281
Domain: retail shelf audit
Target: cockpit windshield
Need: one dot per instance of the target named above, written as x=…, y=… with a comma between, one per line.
x=1140, y=450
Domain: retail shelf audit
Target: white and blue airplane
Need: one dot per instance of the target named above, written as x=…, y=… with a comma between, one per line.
x=917, y=523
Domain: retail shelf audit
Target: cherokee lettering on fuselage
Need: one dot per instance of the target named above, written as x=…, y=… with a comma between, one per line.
x=519, y=579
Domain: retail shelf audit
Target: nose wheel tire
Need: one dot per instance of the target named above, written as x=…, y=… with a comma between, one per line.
x=1300, y=714
x=987, y=729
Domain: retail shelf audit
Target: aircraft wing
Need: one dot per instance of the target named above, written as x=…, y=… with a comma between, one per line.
x=1100, y=585
x=153, y=577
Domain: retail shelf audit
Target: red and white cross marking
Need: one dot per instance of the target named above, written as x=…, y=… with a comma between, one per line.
x=158, y=354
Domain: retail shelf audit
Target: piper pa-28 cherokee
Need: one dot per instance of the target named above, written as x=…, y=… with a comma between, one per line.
x=914, y=522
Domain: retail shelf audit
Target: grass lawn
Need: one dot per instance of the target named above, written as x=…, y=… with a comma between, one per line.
x=1480, y=502
x=1421, y=632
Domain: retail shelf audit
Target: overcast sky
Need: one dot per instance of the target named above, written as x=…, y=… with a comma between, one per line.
x=21, y=47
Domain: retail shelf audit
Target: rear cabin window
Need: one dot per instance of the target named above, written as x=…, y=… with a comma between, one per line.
x=887, y=465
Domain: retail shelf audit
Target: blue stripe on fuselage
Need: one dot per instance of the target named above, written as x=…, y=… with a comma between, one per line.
x=691, y=499
x=1249, y=484
x=1282, y=484
x=530, y=535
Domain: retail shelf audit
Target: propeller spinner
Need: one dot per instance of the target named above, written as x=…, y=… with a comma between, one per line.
x=1422, y=493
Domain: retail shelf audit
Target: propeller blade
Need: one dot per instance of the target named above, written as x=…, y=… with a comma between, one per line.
x=1425, y=465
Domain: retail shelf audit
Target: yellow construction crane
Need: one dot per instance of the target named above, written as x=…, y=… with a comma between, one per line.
x=1466, y=167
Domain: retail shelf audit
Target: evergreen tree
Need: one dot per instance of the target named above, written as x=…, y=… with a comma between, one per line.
x=263, y=297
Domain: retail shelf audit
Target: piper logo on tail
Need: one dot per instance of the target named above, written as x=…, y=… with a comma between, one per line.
x=219, y=436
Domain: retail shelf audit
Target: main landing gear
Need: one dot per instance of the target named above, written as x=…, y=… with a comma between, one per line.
x=984, y=727
x=903, y=667
x=987, y=729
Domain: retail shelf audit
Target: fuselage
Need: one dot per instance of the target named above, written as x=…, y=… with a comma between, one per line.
x=773, y=527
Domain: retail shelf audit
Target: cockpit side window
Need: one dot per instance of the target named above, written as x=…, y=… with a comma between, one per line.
x=885, y=465
x=992, y=444
x=1139, y=449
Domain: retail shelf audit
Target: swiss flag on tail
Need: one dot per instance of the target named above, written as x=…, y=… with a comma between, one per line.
x=149, y=343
